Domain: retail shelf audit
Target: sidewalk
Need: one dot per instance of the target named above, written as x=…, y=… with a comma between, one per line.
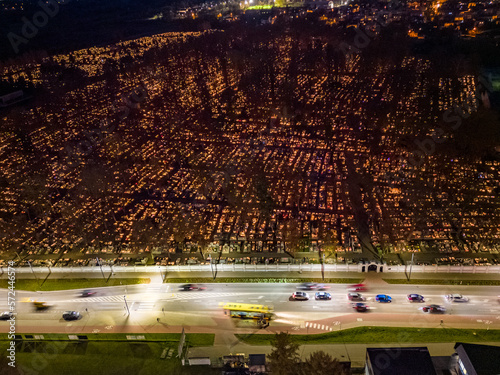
x=157, y=276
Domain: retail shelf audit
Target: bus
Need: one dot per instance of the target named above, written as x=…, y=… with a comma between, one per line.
x=248, y=311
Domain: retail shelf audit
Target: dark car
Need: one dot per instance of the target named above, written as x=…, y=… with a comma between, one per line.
x=308, y=286
x=354, y=296
x=360, y=307
x=300, y=296
x=383, y=298
x=6, y=315
x=71, y=315
x=415, y=298
x=436, y=309
x=188, y=287
x=88, y=293
x=323, y=295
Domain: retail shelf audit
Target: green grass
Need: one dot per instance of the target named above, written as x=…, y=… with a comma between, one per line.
x=443, y=281
x=193, y=339
x=371, y=335
x=228, y=280
x=63, y=284
x=253, y=7
x=95, y=357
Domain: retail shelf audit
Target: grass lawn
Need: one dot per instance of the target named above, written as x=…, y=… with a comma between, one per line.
x=95, y=357
x=371, y=335
x=457, y=281
x=193, y=339
x=228, y=280
x=62, y=284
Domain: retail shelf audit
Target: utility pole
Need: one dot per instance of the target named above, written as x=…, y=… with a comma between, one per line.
x=126, y=305
x=411, y=264
x=33, y=272
x=100, y=265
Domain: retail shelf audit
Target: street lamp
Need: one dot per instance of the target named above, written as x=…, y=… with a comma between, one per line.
x=126, y=305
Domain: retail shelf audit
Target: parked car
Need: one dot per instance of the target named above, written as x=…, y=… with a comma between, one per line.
x=415, y=298
x=383, y=298
x=323, y=295
x=88, y=293
x=358, y=288
x=188, y=287
x=359, y=307
x=300, y=296
x=71, y=315
x=6, y=315
x=354, y=296
x=456, y=298
x=436, y=309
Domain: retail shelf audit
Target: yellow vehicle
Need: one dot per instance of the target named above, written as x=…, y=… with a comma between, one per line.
x=248, y=311
x=40, y=305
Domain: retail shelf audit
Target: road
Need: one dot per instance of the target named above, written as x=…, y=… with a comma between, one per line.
x=200, y=311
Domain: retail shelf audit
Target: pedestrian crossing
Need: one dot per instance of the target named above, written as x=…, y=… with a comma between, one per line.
x=145, y=306
x=152, y=297
x=322, y=327
x=97, y=299
x=198, y=295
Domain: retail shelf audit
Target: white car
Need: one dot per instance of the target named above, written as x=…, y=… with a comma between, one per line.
x=300, y=296
x=456, y=298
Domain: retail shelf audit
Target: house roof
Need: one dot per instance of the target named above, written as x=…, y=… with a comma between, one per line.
x=397, y=361
x=484, y=358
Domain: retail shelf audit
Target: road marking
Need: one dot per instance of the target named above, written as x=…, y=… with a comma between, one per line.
x=146, y=306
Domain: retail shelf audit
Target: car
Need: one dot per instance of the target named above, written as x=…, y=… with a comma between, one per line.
x=322, y=287
x=358, y=288
x=6, y=315
x=415, y=298
x=434, y=309
x=188, y=287
x=383, y=298
x=308, y=286
x=88, y=293
x=354, y=296
x=39, y=305
x=71, y=315
x=300, y=296
x=322, y=295
x=456, y=298
x=360, y=307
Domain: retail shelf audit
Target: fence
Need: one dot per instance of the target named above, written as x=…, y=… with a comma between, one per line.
x=263, y=268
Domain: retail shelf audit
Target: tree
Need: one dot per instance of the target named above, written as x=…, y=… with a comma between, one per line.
x=284, y=356
x=321, y=363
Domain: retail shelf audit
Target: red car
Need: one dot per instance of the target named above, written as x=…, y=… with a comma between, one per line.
x=358, y=288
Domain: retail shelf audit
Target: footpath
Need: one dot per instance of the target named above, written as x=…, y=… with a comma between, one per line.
x=269, y=274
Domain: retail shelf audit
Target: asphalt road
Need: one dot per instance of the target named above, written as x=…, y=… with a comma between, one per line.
x=107, y=309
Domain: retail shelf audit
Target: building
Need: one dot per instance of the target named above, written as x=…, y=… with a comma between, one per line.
x=398, y=361
x=475, y=359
